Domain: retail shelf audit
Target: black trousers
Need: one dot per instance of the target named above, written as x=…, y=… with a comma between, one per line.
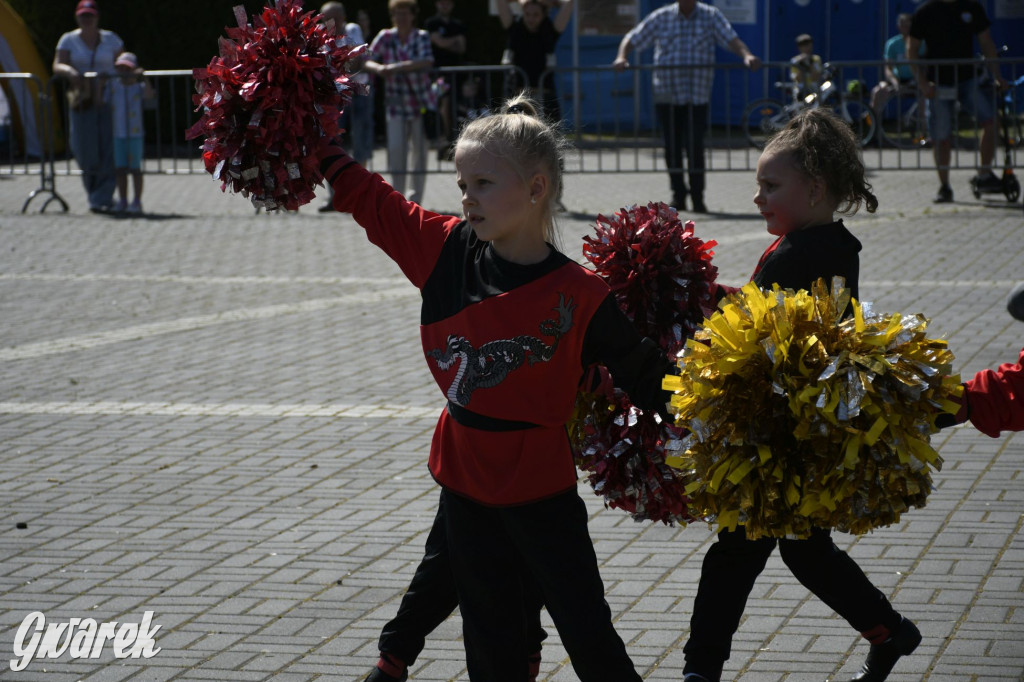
x=432, y=597
x=733, y=563
x=490, y=549
x=683, y=127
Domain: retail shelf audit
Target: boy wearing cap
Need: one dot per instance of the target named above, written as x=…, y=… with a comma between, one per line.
x=806, y=69
x=127, y=92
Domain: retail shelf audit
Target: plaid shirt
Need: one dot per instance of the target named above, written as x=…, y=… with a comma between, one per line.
x=405, y=94
x=678, y=40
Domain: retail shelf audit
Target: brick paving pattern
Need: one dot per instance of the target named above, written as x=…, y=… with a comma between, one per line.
x=222, y=417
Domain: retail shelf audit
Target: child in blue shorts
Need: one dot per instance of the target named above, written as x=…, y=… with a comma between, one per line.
x=127, y=92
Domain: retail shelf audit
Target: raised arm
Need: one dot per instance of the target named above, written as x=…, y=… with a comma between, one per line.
x=504, y=13
x=561, y=19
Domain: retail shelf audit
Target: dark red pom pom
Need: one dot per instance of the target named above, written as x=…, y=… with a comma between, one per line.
x=270, y=101
x=660, y=271
x=662, y=277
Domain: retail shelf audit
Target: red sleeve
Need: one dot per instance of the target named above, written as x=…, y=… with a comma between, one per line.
x=995, y=399
x=409, y=234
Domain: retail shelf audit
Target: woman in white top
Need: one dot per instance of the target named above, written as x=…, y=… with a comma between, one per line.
x=88, y=49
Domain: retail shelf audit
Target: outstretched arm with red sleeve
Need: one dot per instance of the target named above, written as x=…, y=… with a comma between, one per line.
x=409, y=234
x=993, y=400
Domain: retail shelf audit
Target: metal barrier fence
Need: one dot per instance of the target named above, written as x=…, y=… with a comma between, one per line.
x=31, y=112
x=608, y=116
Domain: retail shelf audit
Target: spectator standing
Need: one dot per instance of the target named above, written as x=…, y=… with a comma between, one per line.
x=89, y=49
x=357, y=119
x=948, y=29
x=532, y=37
x=402, y=57
x=448, y=39
x=899, y=78
x=806, y=69
x=127, y=92
x=684, y=35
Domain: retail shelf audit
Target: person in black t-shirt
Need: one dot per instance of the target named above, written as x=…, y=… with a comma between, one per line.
x=949, y=29
x=531, y=48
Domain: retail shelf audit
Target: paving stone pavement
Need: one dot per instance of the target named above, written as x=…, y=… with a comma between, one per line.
x=223, y=418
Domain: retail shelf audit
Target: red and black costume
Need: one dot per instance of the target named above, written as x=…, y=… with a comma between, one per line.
x=508, y=345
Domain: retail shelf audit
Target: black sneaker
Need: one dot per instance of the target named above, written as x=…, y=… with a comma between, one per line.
x=945, y=195
x=379, y=675
x=987, y=183
x=698, y=206
x=389, y=668
x=678, y=202
x=883, y=657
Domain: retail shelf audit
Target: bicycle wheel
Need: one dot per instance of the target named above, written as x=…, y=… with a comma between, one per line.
x=906, y=131
x=859, y=117
x=762, y=119
x=1011, y=188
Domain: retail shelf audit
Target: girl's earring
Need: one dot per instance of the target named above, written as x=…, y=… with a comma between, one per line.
x=533, y=200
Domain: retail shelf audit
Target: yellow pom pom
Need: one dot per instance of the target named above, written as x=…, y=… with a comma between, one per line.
x=800, y=417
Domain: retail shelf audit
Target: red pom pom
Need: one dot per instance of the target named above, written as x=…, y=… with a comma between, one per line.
x=270, y=101
x=660, y=272
x=622, y=448
x=662, y=278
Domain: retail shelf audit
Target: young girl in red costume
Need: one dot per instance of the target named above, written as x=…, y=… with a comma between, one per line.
x=508, y=324
x=807, y=173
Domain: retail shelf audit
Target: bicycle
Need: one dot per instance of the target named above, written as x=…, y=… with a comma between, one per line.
x=764, y=117
x=909, y=128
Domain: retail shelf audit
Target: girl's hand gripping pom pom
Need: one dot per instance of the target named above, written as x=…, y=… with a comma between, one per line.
x=662, y=277
x=271, y=101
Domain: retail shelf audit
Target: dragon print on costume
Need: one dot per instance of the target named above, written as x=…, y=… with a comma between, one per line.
x=488, y=365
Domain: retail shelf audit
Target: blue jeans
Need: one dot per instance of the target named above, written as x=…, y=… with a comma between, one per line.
x=92, y=143
x=942, y=108
x=357, y=119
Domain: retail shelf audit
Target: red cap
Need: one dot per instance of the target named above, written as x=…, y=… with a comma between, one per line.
x=87, y=7
x=127, y=59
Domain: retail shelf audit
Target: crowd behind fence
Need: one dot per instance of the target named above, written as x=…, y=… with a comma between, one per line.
x=608, y=115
